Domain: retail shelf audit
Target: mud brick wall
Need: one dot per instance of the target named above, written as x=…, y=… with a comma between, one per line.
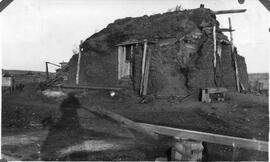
x=182, y=58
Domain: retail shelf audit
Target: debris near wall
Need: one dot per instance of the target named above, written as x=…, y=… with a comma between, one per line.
x=182, y=57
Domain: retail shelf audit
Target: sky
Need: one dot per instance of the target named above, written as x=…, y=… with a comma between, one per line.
x=36, y=31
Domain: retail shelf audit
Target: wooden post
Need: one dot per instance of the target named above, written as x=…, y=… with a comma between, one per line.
x=234, y=57
x=78, y=65
x=130, y=124
x=215, y=45
x=47, y=71
x=119, y=62
x=230, y=30
x=146, y=74
x=143, y=65
x=131, y=62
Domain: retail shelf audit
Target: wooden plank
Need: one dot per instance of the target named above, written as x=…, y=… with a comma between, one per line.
x=215, y=45
x=230, y=28
x=78, y=65
x=131, y=63
x=229, y=11
x=235, y=58
x=121, y=120
x=47, y=71
x=143, y=65
x=146, y=74
x=119, y=62
x=226, y=30
x=209, y=137
x=128, y=43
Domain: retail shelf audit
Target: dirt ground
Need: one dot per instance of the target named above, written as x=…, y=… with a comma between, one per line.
x=241, y=115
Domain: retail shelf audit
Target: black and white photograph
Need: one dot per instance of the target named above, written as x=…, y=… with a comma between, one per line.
x=134, y=80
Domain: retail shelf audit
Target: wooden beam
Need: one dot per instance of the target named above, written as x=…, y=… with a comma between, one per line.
x=230, y=28
x=78, y=65
x=134, y=43
x=209, y=137
x=143, y=65
x=215, y=45
x=121, y=120
x=235, y=58
x=154, y=130
x=229, y=11
x=131, y=69
x=119, y=61
x=47, y=71
x=226, y=30
x=146, y=74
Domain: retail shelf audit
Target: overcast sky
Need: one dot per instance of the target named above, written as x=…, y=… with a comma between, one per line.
x=35, y=31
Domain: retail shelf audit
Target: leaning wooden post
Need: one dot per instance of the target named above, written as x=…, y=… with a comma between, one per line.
x=215, y=45
x=234, y=57
x=143, y=65
x=78, y=65
x=146, y=73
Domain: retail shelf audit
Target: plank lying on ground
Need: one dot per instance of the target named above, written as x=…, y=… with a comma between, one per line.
x=208, y=137
x=120, y=119
x=229, y=11
x=89, y=87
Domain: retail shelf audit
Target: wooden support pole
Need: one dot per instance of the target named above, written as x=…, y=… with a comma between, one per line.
x=78, y=65
x=235, y=152
x=229, y=11
x=235, y=58
x=47, y=71
x=143, y=65
x=226, y=30
x=146, y=74
x=119, y=61
x=131, y=72
x=230, y=30
x=215, y=45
